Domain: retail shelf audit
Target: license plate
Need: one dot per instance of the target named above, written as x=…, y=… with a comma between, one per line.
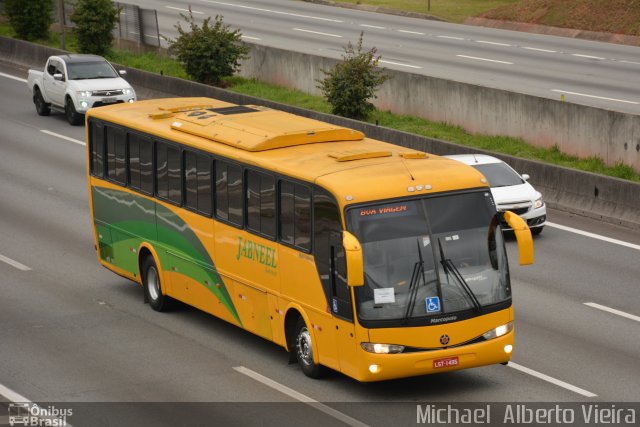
x=108, y=100
x=446, y=362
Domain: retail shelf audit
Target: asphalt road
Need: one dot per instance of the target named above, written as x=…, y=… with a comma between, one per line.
x=71, y=331
x=584, y=72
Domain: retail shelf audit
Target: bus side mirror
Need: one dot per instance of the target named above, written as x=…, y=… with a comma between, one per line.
x=353, y=255
x=523, y=236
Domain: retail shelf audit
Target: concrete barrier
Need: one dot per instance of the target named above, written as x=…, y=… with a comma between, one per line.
x=609, y=199
x=575, y=129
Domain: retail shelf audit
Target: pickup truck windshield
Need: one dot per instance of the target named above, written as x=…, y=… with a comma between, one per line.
x=91, y=70
x=452, y=242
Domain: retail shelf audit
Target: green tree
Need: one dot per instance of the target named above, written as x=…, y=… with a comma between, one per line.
x=351, y=83
x=30, y=19
x=210, y=52
x=95, y=20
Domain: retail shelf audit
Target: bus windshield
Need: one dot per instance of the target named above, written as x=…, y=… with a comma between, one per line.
x=431, y=257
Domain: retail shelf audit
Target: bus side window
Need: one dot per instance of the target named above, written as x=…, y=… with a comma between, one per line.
x=341, y=294
x=261, y=203
x=140, y=163
x=329, y=254
x=295, y=215
x=175, y=174
x=229, y=192
x=116, y=155
x=162, y=189
x=197, y=182
x=96, y=139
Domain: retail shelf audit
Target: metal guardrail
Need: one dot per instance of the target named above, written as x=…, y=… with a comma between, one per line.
x=137, y=25
x=134, y=23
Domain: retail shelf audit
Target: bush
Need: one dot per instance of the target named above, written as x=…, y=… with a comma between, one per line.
x=351, y=83
x=210, y=52
x=30, y=19
x=95, y=20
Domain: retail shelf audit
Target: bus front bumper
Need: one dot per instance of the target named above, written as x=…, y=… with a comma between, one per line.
x=378, y=367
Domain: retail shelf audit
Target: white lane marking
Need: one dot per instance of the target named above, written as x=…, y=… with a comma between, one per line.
x=629, y=62
x=57, y=135
x=399, y=64
x=552, y=380
x=12, y=395
x=451, y=37
x=317, y=32
x=586, y=56
x=594, y=236
x=184, y=10
x=594, y=96
x=14, y=263
x=299, y=396
x=250, y=38
x=47, y=417
x=613, y=311
x=9, y=76
x=537, y=49
x=272, y=11
x=485, y=59
x=411, y=32
x=493, y=43
x=373, y=26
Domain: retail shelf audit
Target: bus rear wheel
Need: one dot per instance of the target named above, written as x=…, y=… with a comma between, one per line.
x=304, y=351
x=153, y=286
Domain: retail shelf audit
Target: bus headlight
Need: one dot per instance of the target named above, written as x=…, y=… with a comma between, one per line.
x=499, y=331
x=382, y=348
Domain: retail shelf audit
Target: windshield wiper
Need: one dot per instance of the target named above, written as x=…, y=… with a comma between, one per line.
x=418, y=271
x=449, y=266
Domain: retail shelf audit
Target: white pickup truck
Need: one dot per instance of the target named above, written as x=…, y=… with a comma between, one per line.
x=75, y=83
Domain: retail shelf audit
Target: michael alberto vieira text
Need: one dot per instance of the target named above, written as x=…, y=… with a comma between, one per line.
x=520, y=413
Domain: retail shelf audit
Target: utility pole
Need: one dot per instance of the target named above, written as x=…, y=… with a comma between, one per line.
x=61, y=19
x=429, y=5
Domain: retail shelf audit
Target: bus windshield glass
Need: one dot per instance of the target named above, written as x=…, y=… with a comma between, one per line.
x=430, y=257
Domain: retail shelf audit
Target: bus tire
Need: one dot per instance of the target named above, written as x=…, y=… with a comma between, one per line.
x=153, y=286
x=304, y=351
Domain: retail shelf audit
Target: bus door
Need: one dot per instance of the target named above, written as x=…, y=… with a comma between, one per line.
x=341, y=305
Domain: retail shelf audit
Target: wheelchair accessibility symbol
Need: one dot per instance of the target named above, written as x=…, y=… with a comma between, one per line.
x=433, y=304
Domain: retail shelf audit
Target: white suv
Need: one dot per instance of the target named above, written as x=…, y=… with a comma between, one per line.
x=510, y=190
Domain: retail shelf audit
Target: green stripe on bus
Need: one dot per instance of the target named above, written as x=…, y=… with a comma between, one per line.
x=130, y=219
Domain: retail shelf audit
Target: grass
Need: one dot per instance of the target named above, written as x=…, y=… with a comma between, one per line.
x=611, y=16
x=501, y=144
x=449, y=10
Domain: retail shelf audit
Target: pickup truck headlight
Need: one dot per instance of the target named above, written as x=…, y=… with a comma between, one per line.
x=127, y=91
x=84, y=93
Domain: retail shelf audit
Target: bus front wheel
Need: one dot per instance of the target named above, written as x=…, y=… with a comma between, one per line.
x=304, y=351
x=153, y=286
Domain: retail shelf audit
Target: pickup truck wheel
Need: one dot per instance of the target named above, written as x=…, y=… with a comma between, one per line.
x=73, y=116
x=42, y=108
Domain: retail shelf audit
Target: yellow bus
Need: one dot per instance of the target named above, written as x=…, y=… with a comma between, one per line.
x=353, y=254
